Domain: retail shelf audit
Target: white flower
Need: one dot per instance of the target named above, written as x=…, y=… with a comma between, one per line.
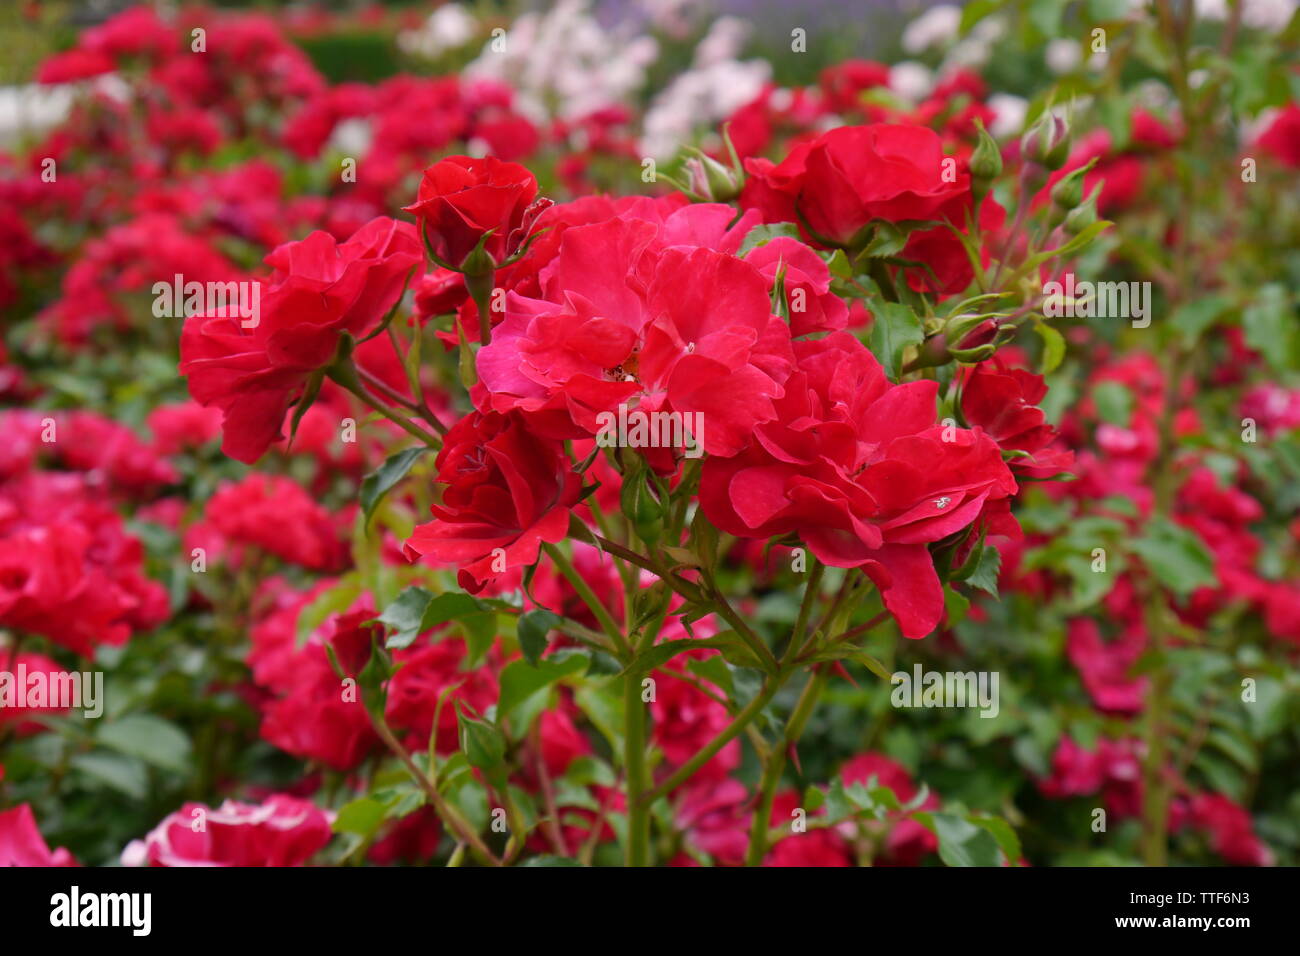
x=563, y=63
x=937, y=26
x=1009, y=114
x=447, y=28
x=1257, y=14
x=1062, y=56
x=911, y=80
x=30, y=110
x=352, y=137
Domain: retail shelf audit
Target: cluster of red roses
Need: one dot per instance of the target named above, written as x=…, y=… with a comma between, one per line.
x=727, y=304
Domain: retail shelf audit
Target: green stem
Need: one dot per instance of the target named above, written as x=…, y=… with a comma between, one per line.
x=774, y=767
x=638, y=811
x=729, y=733
x=345, y=375
x=607, y=622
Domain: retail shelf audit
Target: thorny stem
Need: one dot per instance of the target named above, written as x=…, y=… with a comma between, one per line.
x=775, y=766
x=346, y=376
x=607, y=622
x=464, y=832
x=398, y=398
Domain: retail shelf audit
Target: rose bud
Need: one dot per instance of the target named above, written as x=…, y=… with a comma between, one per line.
x=1047, y=142
x=985, y=163
x=1083, y=215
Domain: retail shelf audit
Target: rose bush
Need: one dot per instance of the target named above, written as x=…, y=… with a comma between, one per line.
x=450, y=615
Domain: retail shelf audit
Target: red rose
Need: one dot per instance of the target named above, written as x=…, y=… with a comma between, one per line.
x=462, y=199
x=282, y=831
x=21, y=843
x=312, y=714
x=275, y=513
x=320, y=289
x=1282, y=138
x=16, y=711
x=426, y=671
x=1001, y=400
x=625, y=320
x=857, y=467
x=837, y=185
x=507, y=491
x=843, y=83
x=1231, y=830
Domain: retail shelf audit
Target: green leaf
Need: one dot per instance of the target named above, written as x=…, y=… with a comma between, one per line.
x=1114, y=403
x=1176, y=556
x=124, y=774
x=532, y=629
x=1008, y=842
x=550, y=861
x=975, y=11
x=1194, y=317
x=961, y=843
x=1046, y=16
x=1053, y=347
x=523, y=684
x=985, y=575
x=380, y=481
x=894, y=329
x=330, y=601
x=733, y=648
x=152, y=739
x=846, y=651
x=416, y=610
x=483, y=743
x=1076, y=244
x=1269, y=327
x=362, y=817
x=762, y=234
x=404, y=616
x=887, y=239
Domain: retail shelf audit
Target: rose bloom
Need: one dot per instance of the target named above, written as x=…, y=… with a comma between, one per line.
x=274, y=513
x=1232, y=832
x=19, y=715
x=1001, y=400
x=627, y=318
x=507, y=491
x=320, y=289
x=309, y=714
x=281, y=831
x=21, y=843
x=838, y=184
x=463, y=199
x=858, y=468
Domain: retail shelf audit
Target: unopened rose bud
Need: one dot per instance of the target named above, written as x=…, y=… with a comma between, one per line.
x=976, y=337
x=478, y=263
x=1068, y=192
x=933, y=352
x=710, y=180
x=641, y=506
x=985, y=163
x=1047, y=142
x=1083, y=215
